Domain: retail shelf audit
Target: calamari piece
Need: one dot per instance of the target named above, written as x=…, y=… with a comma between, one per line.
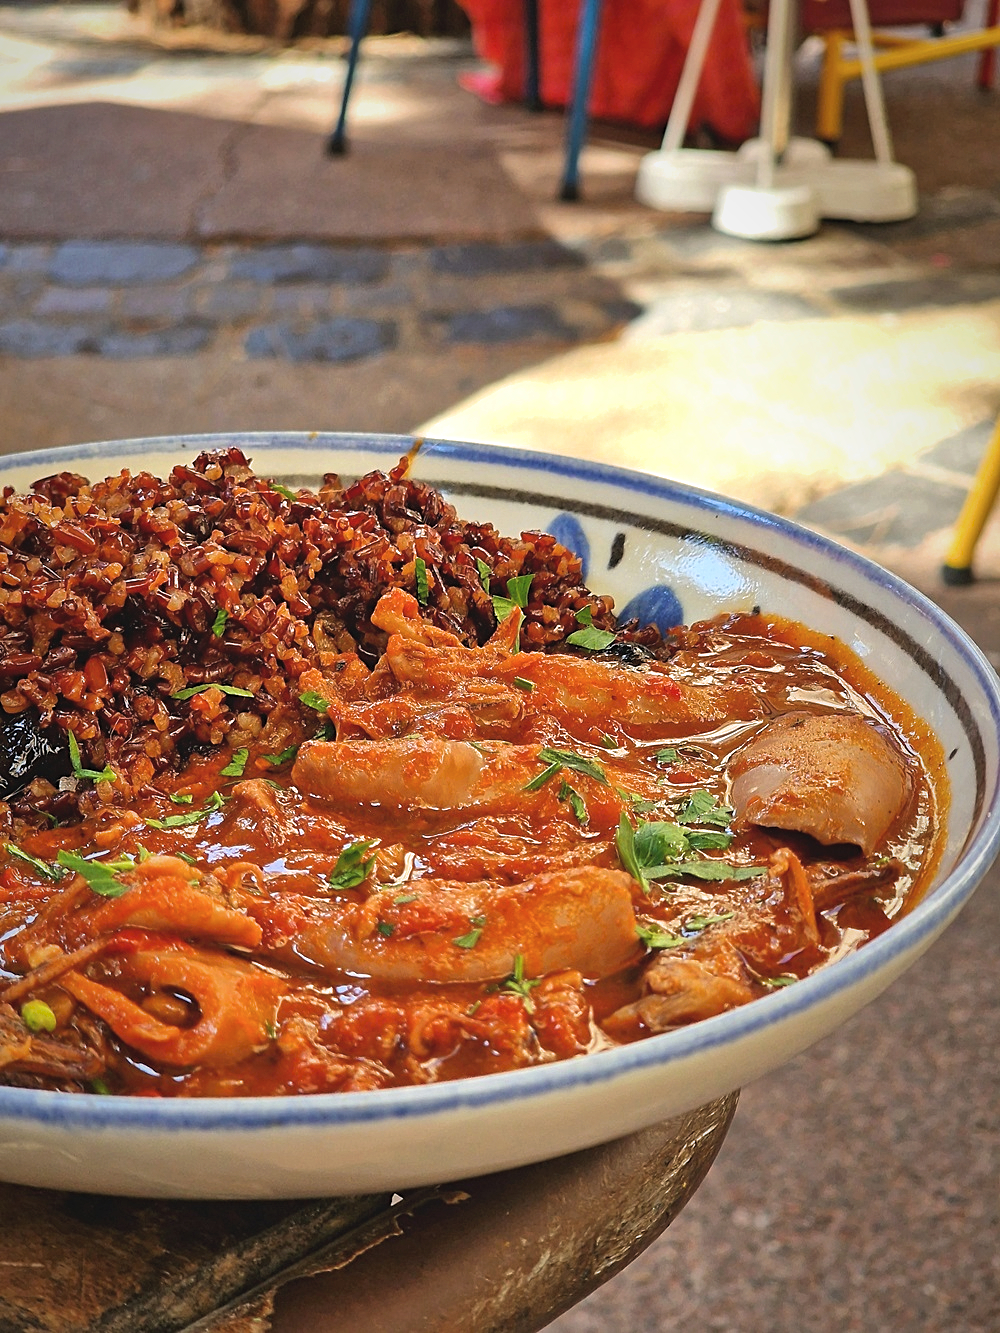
x=716, y=970
x=165, y=895
x=440, y=930
x=576, y=691
x=236, y=1002
x=836, y=776
x=427, y=771
x=398, y=612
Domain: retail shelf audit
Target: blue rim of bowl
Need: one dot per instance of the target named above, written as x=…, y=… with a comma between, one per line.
x=331, y=1110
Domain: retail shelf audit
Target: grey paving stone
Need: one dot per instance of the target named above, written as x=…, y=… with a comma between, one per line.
x=310, y=263
x=342, y=339
x=962, y=452
x=28, y=258
x=304, y=298
x=120, y=263
x=699, y=311
x=475, y=260
x=73, y=301
x=503, y=324
x=4, y=254
x=156, y=304
x=896, y=509
x=230, y=301
x=128, y=345
x=946, y=289
x=936, y=213
x=36, y=338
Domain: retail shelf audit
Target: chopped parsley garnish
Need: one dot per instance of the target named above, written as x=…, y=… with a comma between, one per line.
x=655, y=937
x=98, y=875
x=694, y=925
x=219, y=623
x=667, y=756
x=213, y=803
x=182, y=798
x=191, y=690
x=577, y=762
x=658, y=849
x=549, y=772
x=106, y=774
x=576, y=802
x=591, y=638
x=44, y=868
x=313, y=700
x=404, y=898
x=278, y=759
x=522, y=683
x=470, y=940
x=353, y=865
x=236, y=765
x=385, y=928
x=98, y=1086
x=704, y=808
x=517, y=595
x=485, y=573
x=286, y=491
x=585, y=615
x=420, y=574
x=786, y=980
x=36, y=1015
x=519, y=984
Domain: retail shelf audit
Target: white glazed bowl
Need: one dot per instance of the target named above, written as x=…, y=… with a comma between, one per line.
x=687, y=555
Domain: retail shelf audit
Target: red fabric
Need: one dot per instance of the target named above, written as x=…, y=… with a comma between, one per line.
x=640, y=53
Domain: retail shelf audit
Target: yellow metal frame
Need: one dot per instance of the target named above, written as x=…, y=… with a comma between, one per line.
x=897, y=53
x=969, y=525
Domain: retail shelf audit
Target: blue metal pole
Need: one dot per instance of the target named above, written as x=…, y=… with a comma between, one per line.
x=357, y=26
x=586, y=46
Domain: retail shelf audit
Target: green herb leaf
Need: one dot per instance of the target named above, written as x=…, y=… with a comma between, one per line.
x=44, y=868
x=542, y=777
x=485, y=574
x=236, y=765
x=353, y=865
x=655, y=937
x=404, y=898
x=521, y=683
x=420, y=574
x=704, y=808
x=98, y=1086
x=577, y=762
x=385, y=928
x=585, y=615
x=213, y=803
x=219, y=623
x=716, y=871
x=97, y=875
x=285, y=491
x=667, y=756
x=694, y=925
x=709, y=840
x=576, y=803
x=36, y=1015
x=517, y=590
x=278, y=759
x=470, y=940
x=658, y=841
x=591, y=638
x=787, y=980
x=520, y=984
x=106, y=774
x=191, y=690
x=182, y=798
x=313, y=700
x=625, y=846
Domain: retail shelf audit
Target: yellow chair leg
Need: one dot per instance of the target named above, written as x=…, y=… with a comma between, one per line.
x=957, y=568
x=830, y=96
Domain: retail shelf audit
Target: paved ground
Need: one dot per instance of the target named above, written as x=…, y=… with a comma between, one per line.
x=177, y=254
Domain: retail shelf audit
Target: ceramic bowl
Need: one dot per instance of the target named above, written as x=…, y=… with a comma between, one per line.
x=667, y=553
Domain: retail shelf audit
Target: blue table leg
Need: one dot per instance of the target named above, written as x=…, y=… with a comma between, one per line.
x=357, y=27
x=532, y=81
x=586, y=46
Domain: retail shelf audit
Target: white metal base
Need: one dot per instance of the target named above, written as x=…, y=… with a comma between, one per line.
x=808, y=183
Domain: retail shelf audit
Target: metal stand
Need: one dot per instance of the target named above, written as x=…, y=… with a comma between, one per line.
x=776, y=187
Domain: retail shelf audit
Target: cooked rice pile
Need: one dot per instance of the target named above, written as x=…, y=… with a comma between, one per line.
x=117, y=595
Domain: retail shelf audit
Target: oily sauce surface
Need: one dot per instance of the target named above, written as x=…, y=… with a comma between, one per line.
x=487, y=859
